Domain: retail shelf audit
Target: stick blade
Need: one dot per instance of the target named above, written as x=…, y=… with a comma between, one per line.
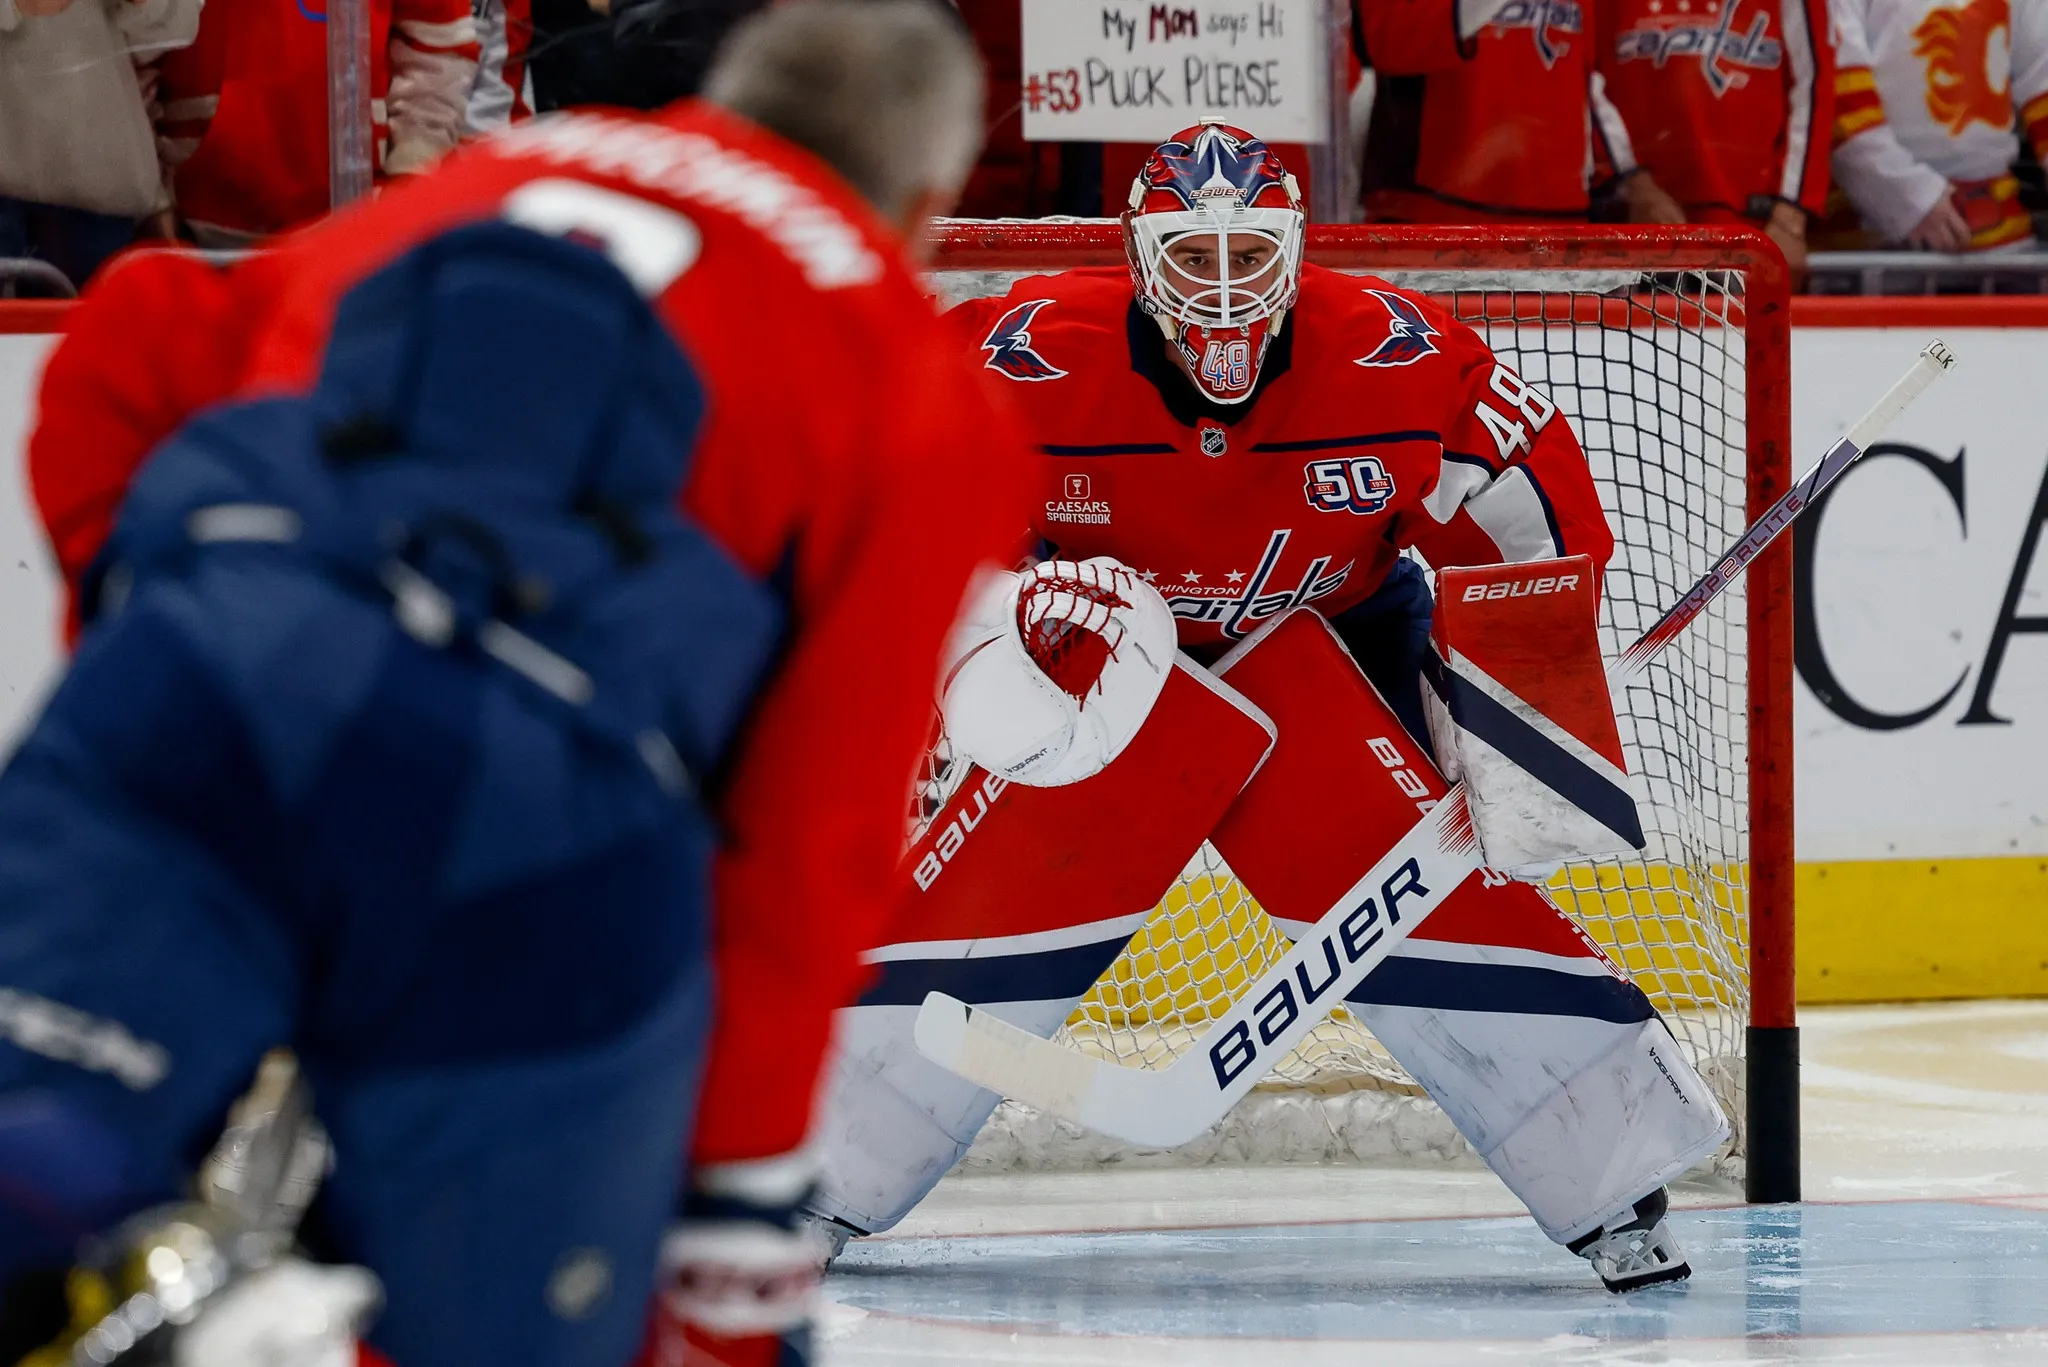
x=995, y=1054
x=1130, y=1104
x=941, y=1029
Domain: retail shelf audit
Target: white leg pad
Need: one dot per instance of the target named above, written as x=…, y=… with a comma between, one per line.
x=891, y=1122
x=1580, y=1118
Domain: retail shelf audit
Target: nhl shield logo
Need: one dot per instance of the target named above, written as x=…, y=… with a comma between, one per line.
x=1215, y=441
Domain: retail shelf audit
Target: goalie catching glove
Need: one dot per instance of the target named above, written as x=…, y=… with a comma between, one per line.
x=1050, y=671
x=1519, y=710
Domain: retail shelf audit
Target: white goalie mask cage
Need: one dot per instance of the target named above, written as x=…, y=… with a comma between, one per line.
x=1212, y=182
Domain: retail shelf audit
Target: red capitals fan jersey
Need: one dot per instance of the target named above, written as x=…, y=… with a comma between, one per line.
x=850, y=497
x=1493, y=128
x=244, y=109
x=1729, y=103
x=1378, y=423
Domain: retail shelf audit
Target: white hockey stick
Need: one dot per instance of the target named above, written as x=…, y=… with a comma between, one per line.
x=1169, y=1106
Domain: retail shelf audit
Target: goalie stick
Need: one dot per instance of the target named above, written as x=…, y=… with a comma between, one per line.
x=1170, y=1106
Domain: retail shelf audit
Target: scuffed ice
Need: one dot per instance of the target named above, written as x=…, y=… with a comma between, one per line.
x=1926, y=1243
x=1369, y=1127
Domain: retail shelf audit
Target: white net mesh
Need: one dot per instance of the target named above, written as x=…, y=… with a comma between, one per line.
x=1649, y=368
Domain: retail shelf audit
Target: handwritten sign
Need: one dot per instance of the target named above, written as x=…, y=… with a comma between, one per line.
x=1134, y=71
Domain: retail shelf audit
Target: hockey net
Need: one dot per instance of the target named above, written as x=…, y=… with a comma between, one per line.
x=1667, y=350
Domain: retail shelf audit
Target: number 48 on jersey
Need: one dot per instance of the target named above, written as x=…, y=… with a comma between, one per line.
x=1522, y=398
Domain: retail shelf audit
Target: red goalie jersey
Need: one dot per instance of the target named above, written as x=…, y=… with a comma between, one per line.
x=1378, y=423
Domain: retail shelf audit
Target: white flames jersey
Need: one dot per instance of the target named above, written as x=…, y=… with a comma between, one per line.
x=1926, y=95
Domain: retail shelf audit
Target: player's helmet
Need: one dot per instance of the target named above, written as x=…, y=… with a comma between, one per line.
x=1203, y=187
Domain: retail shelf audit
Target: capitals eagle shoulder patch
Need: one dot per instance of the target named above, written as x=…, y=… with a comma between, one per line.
x=1410, y=335
x=1010, y=348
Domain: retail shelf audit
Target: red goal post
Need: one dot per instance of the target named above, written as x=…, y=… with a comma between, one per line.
x=1669, y=314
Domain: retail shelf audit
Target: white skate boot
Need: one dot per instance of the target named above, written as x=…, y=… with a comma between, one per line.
x=1642, y=1252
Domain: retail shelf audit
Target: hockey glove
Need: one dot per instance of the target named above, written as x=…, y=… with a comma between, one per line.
x=740, y=1271
x=1050, y=672
x=1519, y=711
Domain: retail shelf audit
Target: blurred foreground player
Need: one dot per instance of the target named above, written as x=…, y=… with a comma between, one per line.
x=1250, y=436
x=420, y=725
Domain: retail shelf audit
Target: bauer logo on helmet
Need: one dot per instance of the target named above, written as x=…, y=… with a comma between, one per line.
x=1214, y=161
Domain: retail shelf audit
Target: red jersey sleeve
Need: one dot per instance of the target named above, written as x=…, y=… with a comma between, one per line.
x=1809, y=106
x=154, y=340
x=970, y=319
x=433, y=55
x=1514, y=485
x=973, y=322
x=817, y=812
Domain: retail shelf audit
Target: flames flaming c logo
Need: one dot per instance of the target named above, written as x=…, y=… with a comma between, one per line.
x=1957, y=44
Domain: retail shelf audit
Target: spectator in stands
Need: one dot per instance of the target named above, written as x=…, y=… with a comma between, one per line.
x=244, y=109
x=1015, y=178
x=1491, y=111
x=1926, y=101
x=1728, y=103
x=78, y=163
x=1020, y=179
x=634, y=53
x=571, y=52
x=503, y=91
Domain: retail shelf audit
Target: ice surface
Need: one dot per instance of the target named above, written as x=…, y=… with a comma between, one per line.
x=1925, y=1241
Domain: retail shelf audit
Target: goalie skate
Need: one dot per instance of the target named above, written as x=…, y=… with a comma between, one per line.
x=832, y=1233
x=1640, y=1253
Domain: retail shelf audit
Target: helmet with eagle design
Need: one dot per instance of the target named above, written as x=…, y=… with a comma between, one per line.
x=1214, y=234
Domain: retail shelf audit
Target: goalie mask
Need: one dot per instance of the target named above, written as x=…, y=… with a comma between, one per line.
x=1214, y=235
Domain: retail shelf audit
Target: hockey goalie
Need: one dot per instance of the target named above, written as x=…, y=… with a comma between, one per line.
x=1223, y=641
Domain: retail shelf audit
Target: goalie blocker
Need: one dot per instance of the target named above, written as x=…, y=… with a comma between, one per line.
x=1519, y=711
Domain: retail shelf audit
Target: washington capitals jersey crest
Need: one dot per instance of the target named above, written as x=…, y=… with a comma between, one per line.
x=1381, y=424
x=1410, y=337
x=1009, y=346
x=1731, y=104
x=1551, y=24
